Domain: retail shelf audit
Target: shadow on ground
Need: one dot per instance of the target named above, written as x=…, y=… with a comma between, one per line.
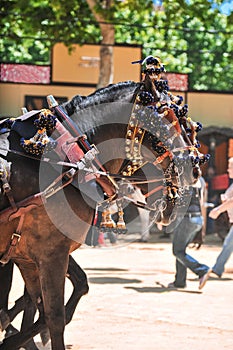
x=162, y=289
x=113, y=280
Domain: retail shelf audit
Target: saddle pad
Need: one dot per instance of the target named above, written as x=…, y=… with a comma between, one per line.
x=24, y=124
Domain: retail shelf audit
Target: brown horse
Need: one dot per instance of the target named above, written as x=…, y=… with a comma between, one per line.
x=57, y=222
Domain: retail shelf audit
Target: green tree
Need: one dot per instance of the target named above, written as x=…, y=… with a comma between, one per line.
x=190, y=36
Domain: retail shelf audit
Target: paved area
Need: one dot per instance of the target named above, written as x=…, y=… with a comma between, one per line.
x=129, y=307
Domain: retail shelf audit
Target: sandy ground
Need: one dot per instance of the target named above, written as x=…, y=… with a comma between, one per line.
x=129, y=307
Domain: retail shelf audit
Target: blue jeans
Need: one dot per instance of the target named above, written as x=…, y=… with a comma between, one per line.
x=225, y=253
x=183, y=236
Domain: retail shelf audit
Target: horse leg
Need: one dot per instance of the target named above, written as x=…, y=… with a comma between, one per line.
x=23, y=303
x=19, y=340
x=6, y=272
x=28, y=319
x=78, y=279
x=20, y=305
x=30, y=276
x=52, y=286
x=7, y=316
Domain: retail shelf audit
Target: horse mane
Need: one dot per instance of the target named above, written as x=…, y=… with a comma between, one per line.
x=110, y=93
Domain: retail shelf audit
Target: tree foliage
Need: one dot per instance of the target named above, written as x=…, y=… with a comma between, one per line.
x=190, y=36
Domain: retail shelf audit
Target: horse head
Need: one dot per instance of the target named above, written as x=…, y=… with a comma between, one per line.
x=131, y=125
x=170, y=107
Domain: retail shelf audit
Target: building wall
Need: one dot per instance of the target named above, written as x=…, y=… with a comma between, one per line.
x=211, y=108
x=12, y=96
x=76, y=72
x=82, y=65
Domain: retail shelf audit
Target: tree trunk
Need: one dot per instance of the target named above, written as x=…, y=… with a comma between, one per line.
x=107, y=43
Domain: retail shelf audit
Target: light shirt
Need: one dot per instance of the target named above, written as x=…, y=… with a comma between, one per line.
x=228, y=195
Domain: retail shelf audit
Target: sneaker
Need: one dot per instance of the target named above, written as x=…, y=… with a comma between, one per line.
x=174, y=285
x=203, y=279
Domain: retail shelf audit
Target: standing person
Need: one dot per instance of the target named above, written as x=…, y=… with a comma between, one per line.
x=227, y=248
x=183, y=235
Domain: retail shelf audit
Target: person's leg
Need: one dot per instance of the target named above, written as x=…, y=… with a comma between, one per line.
x=184, y=235
x=225, y=254
x=181, y=275
x=180, y=242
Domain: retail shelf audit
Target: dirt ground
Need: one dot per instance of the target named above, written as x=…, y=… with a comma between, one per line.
x=129, y=307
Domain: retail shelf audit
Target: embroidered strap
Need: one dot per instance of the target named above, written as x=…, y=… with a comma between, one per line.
x=65, y=147
x=9, y=214
x=72, y=150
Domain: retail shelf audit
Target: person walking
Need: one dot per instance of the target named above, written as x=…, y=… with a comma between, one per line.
x=183, y=235
x=227, y=248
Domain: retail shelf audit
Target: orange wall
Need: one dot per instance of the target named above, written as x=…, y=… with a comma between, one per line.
x=12, y=95
x=82, y=66
x=211, y=109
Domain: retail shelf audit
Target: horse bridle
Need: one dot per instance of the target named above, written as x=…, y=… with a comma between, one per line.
x=136, y=132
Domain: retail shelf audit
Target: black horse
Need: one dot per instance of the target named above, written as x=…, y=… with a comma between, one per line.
x=56, y=222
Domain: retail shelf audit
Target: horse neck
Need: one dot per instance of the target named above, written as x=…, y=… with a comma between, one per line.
x=103, y=117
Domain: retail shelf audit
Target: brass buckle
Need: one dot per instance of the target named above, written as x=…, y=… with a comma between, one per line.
x=16, y=235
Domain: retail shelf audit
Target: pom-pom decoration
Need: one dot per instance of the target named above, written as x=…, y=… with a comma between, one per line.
x=40, y=142
x=46, y=120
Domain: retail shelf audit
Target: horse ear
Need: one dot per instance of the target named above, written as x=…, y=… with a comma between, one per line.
x=135, y=62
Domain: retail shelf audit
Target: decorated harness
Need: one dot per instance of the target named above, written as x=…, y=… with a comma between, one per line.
x=155, y=111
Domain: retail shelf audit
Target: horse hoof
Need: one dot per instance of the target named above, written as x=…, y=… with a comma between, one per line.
x=45, y=336
x=4, y=320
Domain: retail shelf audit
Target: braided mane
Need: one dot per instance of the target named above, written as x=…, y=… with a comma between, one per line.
x=113, y=92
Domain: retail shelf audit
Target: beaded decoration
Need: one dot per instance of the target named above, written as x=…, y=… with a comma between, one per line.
x=163, y=104
x=160, y=117
x=41, y=141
